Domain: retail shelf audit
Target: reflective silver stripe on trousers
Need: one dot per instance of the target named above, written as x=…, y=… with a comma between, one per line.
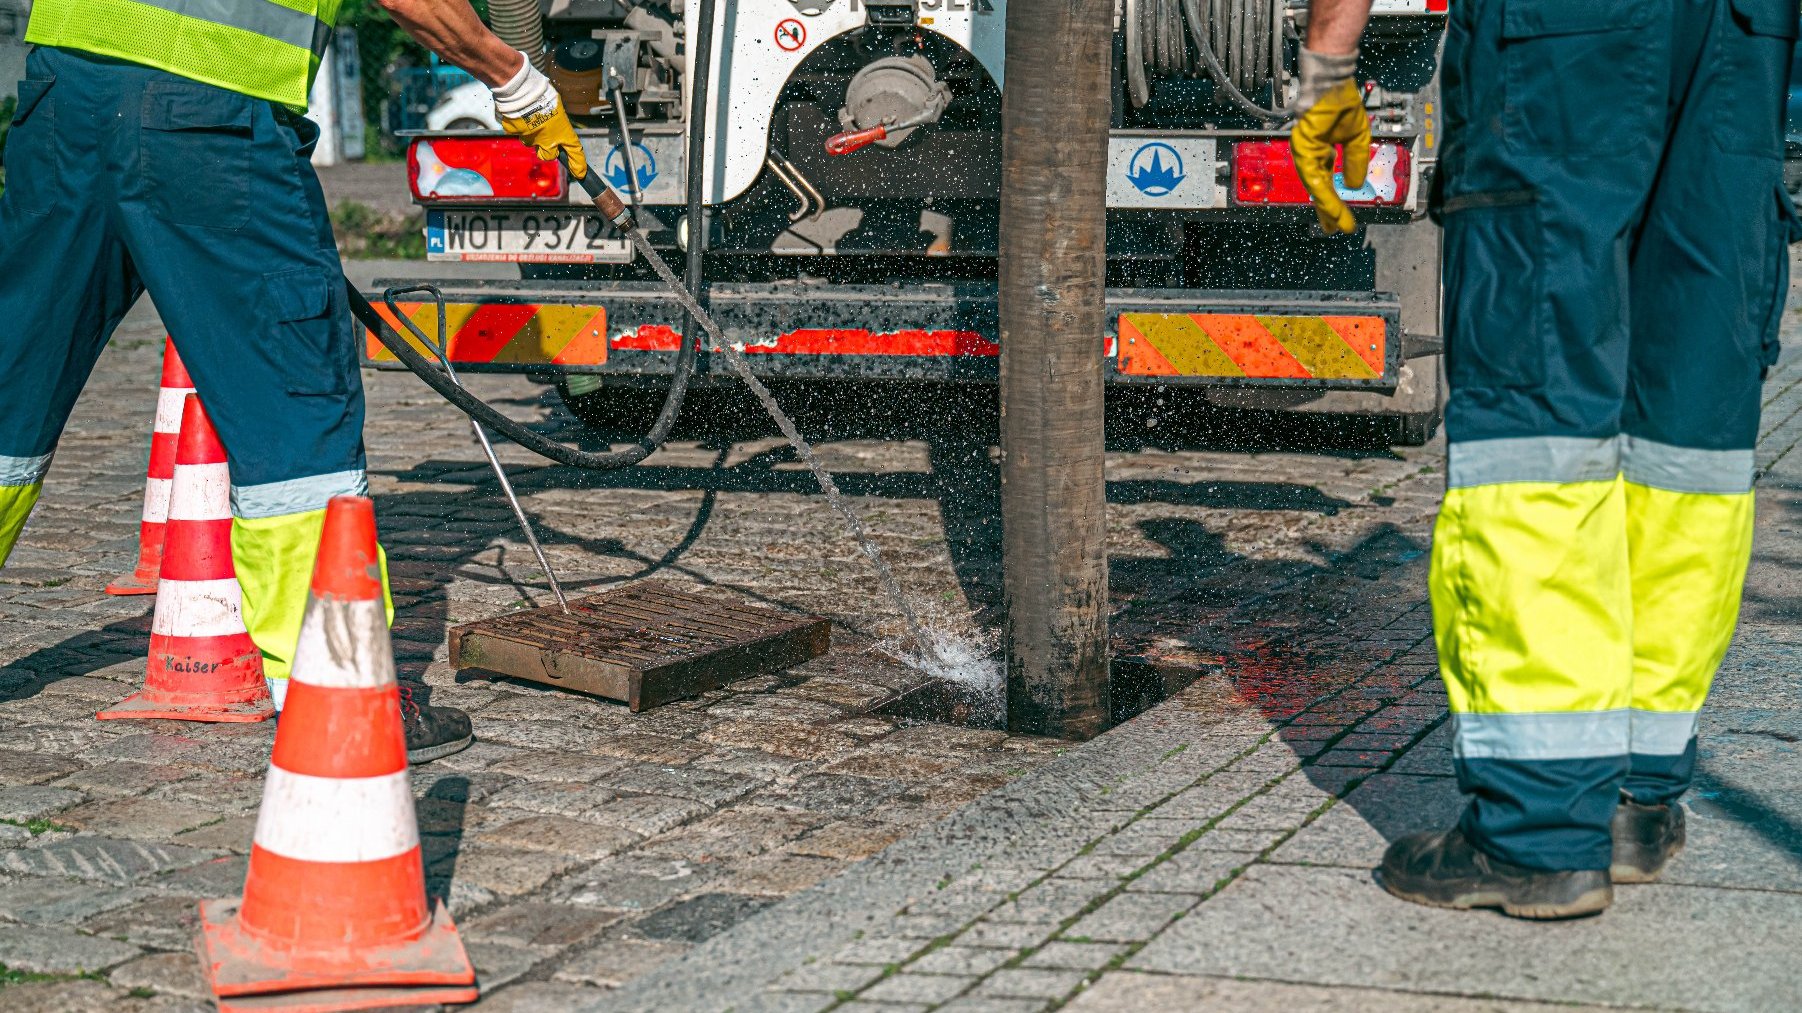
x=1533, y=459
x=1663, y=733
x=23, y=470
x=1561, y=735
x=1686, y=469
x=259, y=17
x=296, y=496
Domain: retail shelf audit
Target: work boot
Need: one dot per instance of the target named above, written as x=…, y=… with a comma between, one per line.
x=1645, y=837
x=432, y=732
x=1446, y=870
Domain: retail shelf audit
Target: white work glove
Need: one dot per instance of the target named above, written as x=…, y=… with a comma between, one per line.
x=530, y=109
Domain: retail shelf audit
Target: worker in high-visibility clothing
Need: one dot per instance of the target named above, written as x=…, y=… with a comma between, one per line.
x=160, y=146
x=1615, y=269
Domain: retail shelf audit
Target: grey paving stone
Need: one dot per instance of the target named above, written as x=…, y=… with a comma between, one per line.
x=966, y=960
x=633, y=883
x=1050, y=901
x=145, y=819
x=554, y=765
x=558, y=834
x=1335, y=927
x=1147, y=836
x=217, y=877
x=879, y=951
x=647, y=815
x=554, y=798
x=1129, y=917
x=497, y=964
x=158, y=922
x=614, y=961
x=983, y=1004
x=1030, y=983
x=1192, y=871
x=31, y=802
x=1097, y=866
x=125, y=779
x=176, y=974
x=829, y=977
x=77, y=996
x=100, y=859
x=699, y=918
x=908, y=987
x=708, y=787
x=1355, y=832
x=18, y=768
x=61, y=901
x=1131, y=992
x=44, y=950
x=508, y=872
x=537, y=925
x=537, y=996
x=1074, y=956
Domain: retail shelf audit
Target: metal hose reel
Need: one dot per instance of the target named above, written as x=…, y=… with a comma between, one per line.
x=1237, y=43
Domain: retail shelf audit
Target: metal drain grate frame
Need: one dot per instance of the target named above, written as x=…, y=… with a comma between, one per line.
x=644, y=645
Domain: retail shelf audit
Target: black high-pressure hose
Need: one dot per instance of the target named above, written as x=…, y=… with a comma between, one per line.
x=700, y=65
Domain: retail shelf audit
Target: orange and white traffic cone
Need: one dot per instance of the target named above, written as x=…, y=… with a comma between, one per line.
x=203, y=665
x=334, y=914
x=176, y=387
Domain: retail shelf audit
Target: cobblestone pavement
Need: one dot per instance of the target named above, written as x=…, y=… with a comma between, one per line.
x=597, y=859
x=580, y=846
x=1216, y=851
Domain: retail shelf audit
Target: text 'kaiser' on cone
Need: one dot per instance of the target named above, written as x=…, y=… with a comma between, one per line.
x=173, y=392
x=203, y=665
x=334, y=913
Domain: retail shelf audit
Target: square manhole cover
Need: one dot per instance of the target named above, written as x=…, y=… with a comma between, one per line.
x=643, y=645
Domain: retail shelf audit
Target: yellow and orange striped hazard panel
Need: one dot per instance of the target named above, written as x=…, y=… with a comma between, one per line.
x=1232, y=345
x=526, y=333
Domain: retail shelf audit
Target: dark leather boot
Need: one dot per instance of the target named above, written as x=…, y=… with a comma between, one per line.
x=432, y=732
x=1445, y=870
x=1645, y=837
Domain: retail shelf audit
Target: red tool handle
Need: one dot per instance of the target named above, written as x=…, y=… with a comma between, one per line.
x=844, y=144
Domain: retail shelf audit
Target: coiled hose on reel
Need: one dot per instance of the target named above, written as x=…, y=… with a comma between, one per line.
x=1238, y=43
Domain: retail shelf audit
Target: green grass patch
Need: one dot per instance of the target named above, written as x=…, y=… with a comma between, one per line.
x=367, y=234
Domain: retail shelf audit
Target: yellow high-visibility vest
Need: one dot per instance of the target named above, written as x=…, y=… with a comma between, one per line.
x=263, y=48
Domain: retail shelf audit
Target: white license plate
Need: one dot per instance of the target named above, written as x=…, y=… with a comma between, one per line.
x=523, y=236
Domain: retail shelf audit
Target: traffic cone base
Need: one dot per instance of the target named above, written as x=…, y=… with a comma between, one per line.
x=339, y=999
x=202, y=664
x=246, y=970
x=334, y=914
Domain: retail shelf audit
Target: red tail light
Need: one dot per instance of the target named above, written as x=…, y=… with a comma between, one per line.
x=1264, y=173
x=481, y=169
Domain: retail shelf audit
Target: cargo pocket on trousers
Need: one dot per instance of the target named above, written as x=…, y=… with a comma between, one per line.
x=1751, y=65
x=196, y=151
x=1544, y=42
x=30, y=159
x=312, y=339
x=1494, y=290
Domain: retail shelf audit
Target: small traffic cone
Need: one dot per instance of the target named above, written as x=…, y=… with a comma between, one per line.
x=175, y=389
x=203, y=665
x=334, y=914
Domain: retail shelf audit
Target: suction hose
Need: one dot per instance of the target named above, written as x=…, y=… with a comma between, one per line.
x=520, y=24
x=700, y=63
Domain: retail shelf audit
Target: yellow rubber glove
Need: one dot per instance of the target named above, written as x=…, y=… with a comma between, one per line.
x=1332, y=114
x=531, y=110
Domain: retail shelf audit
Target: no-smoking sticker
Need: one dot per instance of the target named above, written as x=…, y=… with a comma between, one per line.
x=791, y=35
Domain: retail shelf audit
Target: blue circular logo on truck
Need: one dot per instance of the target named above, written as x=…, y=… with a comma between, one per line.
x=644, y=165
x=1156, y=169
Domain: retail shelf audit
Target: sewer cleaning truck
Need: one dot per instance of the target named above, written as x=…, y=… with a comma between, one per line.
x=839, y=205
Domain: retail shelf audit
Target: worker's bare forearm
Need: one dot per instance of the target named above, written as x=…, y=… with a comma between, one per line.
x=1335, y=26
x=451, y=29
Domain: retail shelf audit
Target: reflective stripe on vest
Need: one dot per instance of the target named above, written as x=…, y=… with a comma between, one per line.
x=262, y=48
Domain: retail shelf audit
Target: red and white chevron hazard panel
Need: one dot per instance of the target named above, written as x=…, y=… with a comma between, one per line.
x=1244, y=345
x=521, y=333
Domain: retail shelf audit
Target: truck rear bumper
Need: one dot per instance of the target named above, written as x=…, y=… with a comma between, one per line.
x=1311, y=341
